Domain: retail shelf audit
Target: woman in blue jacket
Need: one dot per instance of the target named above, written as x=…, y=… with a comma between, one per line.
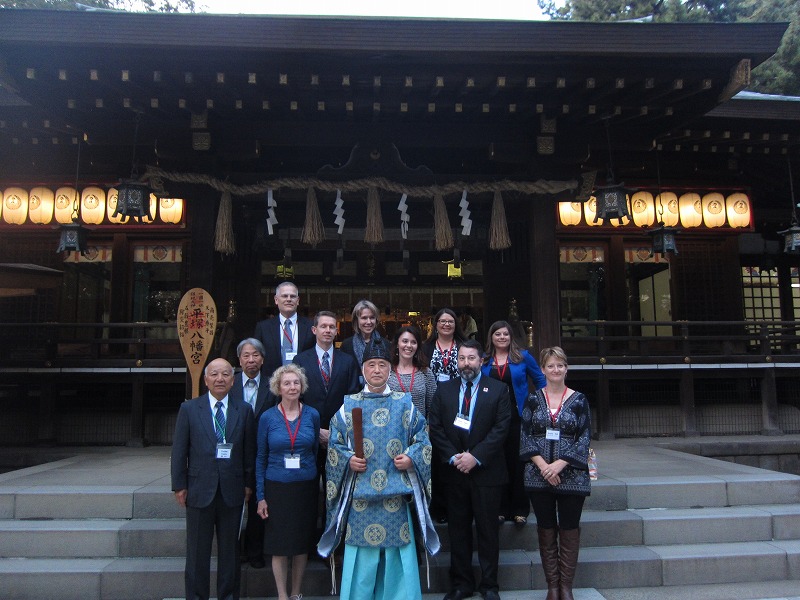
x=507, y=362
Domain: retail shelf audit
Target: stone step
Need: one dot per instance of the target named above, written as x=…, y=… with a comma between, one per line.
x=157, y=501
x=131, y=538
x=600, y=568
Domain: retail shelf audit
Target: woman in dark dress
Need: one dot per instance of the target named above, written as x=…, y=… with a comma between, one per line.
x=286, y=478
x=554, y=443
x=507, y=362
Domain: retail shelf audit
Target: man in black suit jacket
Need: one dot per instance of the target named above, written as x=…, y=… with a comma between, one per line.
x=251, y=387
x=326, y=393
x=212, y=464
x=469, y=420
x=272, y=333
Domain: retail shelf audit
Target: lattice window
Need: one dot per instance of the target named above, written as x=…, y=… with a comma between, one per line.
x=761, y=294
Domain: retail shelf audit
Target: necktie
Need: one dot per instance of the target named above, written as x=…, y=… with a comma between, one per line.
x=252, y=390
x=467, y=399
x=326, y=368
x=219, y=422
x=287, y=344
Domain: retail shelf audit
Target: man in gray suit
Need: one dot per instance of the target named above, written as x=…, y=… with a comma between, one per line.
x=213, y=464
x=251, y=387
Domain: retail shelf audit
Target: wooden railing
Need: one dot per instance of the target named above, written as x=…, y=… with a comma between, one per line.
x=92, y=344
x=680, y=341
x=586, y=342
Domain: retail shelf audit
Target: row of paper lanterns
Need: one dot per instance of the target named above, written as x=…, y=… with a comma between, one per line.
x=690, y=210
x=42, y=205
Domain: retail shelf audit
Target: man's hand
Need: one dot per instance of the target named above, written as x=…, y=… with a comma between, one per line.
x=465, y=462
x=402, y=462
x=324, y=436
x=180, y=497
x=358, y=465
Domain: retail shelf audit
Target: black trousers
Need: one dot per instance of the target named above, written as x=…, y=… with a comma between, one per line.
x=557, y=510
x=515, y=500
x=253, y=545
x=201, y=523
x=468, y=503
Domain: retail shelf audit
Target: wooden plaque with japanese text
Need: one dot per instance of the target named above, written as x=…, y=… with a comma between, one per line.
x=197, y=324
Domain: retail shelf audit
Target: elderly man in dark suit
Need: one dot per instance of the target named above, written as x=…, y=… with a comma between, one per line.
x=254, y=390
x=286, y=335
x=213, y=474
x=469, y=420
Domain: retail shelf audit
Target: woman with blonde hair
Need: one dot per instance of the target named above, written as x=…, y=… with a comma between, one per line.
x=286, y=478
x=554, y=443
x=365, y=329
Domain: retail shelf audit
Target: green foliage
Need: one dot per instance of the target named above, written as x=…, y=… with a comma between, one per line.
x=126, y=5
x=779, y=75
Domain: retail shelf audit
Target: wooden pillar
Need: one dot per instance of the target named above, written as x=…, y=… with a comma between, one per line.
x=769, y=403
x=688, y=409
x=602, y=424
x=544, y=274
x=137, y=413
x=46, y=434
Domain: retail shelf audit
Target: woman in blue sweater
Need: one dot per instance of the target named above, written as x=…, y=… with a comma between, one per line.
x=507, y=362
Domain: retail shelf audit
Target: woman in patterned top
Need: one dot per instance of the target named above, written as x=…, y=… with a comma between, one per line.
x=442, y=345
x=554, y=443
x=410, y=372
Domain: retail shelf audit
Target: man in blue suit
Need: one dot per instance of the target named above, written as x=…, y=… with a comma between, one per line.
x=213, y=474
x=286, y=335
x=327, y=385
x=251, y=387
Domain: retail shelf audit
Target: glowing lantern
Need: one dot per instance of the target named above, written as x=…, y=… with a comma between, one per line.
x=691, y=210
x=643, y=210
x=714, y=209
x=590, y=211
x=15, y=205
x=568, y=212
x=93, y=205
x=738, y=210
x=65, y=204
x=667, y=211
x=171, y=210
x=40, y=205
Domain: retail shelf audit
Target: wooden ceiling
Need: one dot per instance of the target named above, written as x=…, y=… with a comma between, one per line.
x=248, y=97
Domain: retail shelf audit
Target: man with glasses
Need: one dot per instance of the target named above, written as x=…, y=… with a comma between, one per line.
x=286, y=335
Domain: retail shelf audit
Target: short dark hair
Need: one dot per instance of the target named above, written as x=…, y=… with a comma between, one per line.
x=324, y=313
x=470, y=343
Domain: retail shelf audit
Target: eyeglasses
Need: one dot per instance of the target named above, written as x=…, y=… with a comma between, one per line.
x=288, y=296
x=446, y=322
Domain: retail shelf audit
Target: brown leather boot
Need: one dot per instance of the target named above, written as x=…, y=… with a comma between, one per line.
x=569, y=544
x=548, y=550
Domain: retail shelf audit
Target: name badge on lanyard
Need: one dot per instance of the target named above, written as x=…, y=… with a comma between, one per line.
x=291, y=462
x=443, y=377
x=553, y=434
x=224, y=450
x=462, y=421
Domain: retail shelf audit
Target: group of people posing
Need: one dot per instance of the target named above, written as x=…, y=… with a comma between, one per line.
x=400, y=435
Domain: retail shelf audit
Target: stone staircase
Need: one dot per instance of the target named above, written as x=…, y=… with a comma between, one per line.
x=113, y=542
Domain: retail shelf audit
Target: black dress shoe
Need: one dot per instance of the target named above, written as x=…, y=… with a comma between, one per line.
x=491, y=595
x=456, y=595
x=257, y=563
